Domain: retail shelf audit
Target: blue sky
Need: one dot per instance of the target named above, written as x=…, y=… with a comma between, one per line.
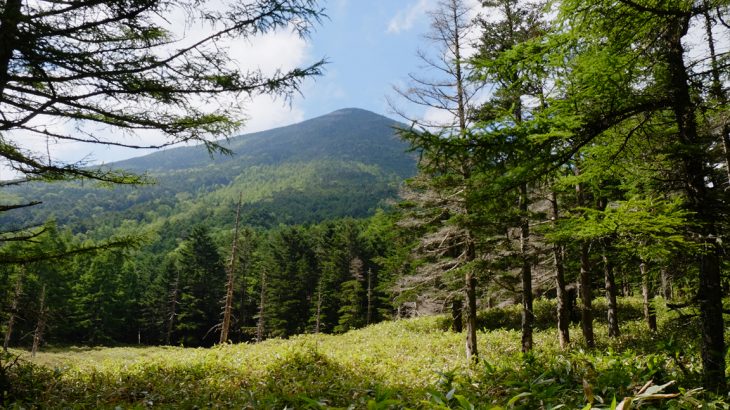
x=371, y=45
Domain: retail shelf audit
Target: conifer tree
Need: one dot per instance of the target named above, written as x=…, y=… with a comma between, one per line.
x=643, y=70
x=496, y=61
x=202, y=279
x=291, y=282
x=449, y=92
x=352, y=296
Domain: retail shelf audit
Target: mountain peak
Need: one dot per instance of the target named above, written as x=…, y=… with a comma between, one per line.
x=351, y=114
x=340, y=164
x=351, y=134
x=351, y=110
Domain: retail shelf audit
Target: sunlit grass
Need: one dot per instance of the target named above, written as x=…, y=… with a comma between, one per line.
x=407, y=363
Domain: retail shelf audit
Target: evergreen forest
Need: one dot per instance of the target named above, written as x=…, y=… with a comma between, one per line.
x=552, y=238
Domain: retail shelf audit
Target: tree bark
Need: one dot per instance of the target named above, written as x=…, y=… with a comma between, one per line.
x=528, y=316
x=646, y=292
x=563, y=310
x=457, y=307
x=610, y=281
x=586, y=297
x=702, y=203
x=472, y=354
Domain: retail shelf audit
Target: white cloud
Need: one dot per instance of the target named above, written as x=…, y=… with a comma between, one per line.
x=405, y=19
x=279, y=50
x=265, y=112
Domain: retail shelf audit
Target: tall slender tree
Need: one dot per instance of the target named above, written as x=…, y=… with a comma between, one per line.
x=231, y=279
x=449, y=92
x=509, y=25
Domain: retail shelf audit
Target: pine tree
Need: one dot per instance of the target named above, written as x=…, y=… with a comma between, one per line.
x=291, y=282
x=650, y=76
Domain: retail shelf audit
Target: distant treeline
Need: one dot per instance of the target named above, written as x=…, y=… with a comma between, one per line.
x=287, y=280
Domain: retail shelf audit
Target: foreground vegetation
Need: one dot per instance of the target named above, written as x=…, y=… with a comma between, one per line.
x=401, y=364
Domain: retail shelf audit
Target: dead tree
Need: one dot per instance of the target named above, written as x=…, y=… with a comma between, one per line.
x=174, y=292
x=261, y=325
x=228, y=305
x=369, y=315
x=646, y=292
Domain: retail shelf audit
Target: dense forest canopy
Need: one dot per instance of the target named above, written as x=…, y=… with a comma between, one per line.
x=585, y=153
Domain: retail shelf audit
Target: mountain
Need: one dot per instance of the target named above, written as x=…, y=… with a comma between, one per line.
x=346, y=163
x=349, y=134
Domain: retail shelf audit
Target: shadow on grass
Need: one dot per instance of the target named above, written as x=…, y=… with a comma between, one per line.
x=301, y=378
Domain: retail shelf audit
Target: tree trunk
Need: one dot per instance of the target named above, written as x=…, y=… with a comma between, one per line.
x=666, y=278
x=711, y=310
x=228, y=305
x=11, y=18
x=318, y=319
x=458, y=72
x=702, y=203
x=40, y=324
x=586, y=297
x=646, y=292
x=173, y=309
x=528, y=316
x=457, y=307
x=261, y=325
x=628, y=289
x=610, y=281
x=369, y=315
x=14, y=308
x=586, y=291
x=716, y=88
x=562, y=295
x=472, y=355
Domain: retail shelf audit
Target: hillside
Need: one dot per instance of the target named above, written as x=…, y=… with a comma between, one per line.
x=346, y=163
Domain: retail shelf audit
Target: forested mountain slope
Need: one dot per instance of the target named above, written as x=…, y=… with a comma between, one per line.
x=345, y=163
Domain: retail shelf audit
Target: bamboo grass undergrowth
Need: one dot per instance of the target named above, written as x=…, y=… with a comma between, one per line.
x=412, y=363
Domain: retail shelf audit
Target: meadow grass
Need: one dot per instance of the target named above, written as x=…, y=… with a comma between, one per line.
x=413, y=363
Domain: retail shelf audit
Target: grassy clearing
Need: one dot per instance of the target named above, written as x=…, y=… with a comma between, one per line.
x=402, y=364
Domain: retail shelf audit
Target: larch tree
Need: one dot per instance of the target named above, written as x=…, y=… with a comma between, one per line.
x=450, y=92
x=112, y=72
x=653, y=76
